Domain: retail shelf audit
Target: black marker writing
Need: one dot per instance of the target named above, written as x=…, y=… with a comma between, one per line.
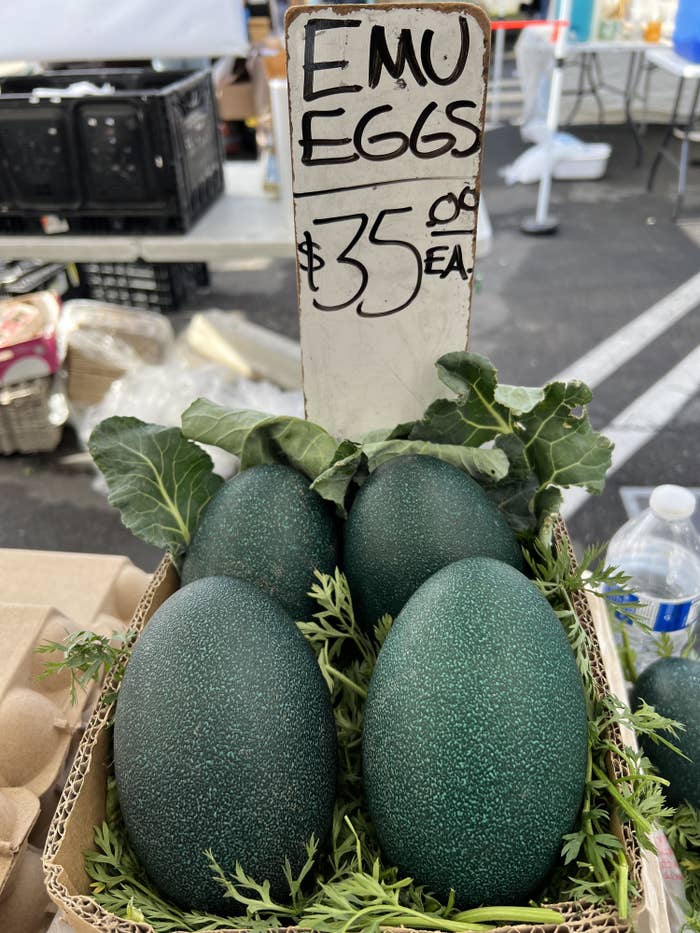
x=380, y=58
x=311, y=65
x=310, y=251
x=449, y=206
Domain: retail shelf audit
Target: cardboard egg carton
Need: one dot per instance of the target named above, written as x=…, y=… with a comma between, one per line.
x=45, y=596
x=81, y=586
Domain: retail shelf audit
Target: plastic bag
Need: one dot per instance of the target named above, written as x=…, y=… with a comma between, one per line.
x=664, y=908
x=534, y=56
x=147, y=334
x=529, y=166
x=77, y=89
x=159, y=394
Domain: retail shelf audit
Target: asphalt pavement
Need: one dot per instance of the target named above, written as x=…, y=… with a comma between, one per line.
x=575, y=303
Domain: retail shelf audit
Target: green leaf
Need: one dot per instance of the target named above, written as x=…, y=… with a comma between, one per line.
x=547, y=506
x=401, y=431
x=490, y=464
x=544, y=432
x=333, y=482
x=159, y=481
x=473, y=418
x=259, y=438
x=560, y=444
x=519, y=399
x=515, y=493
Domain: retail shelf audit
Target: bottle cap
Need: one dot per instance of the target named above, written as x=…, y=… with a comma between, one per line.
x=672, y=502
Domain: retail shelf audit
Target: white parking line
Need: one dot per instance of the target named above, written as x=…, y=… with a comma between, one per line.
x=606, y=358
x=644, y=418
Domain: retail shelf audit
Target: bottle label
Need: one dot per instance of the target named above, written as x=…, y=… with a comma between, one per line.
x=660, y=617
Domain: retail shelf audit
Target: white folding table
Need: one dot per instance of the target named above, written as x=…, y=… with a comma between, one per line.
x=679, y=127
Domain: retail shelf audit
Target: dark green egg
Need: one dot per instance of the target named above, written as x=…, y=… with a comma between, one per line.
x=672, y=687
x=266, y=526
x=475, y=736
x=224, y=739
x=413, y=516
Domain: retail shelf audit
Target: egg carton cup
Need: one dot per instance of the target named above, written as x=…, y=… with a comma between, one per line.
x=82, y=805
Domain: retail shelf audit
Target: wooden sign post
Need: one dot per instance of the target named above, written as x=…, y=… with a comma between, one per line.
x=386, y=113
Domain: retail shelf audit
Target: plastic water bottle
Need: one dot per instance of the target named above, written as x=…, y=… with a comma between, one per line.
x=660, y=551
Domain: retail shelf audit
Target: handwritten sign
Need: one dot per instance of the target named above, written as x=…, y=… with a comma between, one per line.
x=386, y=117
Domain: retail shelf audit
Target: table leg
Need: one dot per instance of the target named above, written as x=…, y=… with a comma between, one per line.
x=648, y=69
x=580, y=91
x=500, y=45
x=685, y=146
x=595, y=82
x=667, y=136
x=632, y=77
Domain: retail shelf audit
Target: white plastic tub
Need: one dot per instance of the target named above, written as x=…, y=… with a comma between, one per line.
x=584, y=163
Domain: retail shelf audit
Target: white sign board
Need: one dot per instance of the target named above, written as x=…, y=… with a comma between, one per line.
x=386, y=117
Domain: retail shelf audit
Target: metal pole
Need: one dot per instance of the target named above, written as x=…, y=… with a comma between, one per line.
x=498, y=67
x=543, y=222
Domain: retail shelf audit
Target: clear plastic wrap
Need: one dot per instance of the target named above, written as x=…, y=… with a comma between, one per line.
x=147, y=332
x=104, y=341
x=159, y=394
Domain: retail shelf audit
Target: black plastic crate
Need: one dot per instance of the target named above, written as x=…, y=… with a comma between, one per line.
x=160, y=286
x=147, y=157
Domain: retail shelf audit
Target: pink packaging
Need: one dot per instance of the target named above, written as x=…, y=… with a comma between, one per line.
x=29, y=348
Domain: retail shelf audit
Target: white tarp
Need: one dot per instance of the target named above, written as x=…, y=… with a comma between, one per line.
x=97, y=30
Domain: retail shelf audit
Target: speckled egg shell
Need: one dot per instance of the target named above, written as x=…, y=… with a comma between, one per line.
x=672, y=687
x=224, y=739
x=413, y=516
x=267, y=526
x=475, y=736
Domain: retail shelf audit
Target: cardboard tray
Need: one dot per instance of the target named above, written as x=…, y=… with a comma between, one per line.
x=82, y=805
x=38, y=723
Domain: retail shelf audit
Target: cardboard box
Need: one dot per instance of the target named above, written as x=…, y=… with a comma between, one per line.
x=82, y=805
x=235, y=101
x=651, y=915
x=259, y=28
x=234, y=90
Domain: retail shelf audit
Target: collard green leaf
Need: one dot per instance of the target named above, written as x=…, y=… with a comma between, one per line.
x=515, y=494
x=544, y=432
x=518, y=399
x=484, y=464
x=547, y=505
x=259, y=438
x=334, y=482
x=159, y=481
x=473, y=418
x=561, y=446
x=462, y=371
x=401, y=431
